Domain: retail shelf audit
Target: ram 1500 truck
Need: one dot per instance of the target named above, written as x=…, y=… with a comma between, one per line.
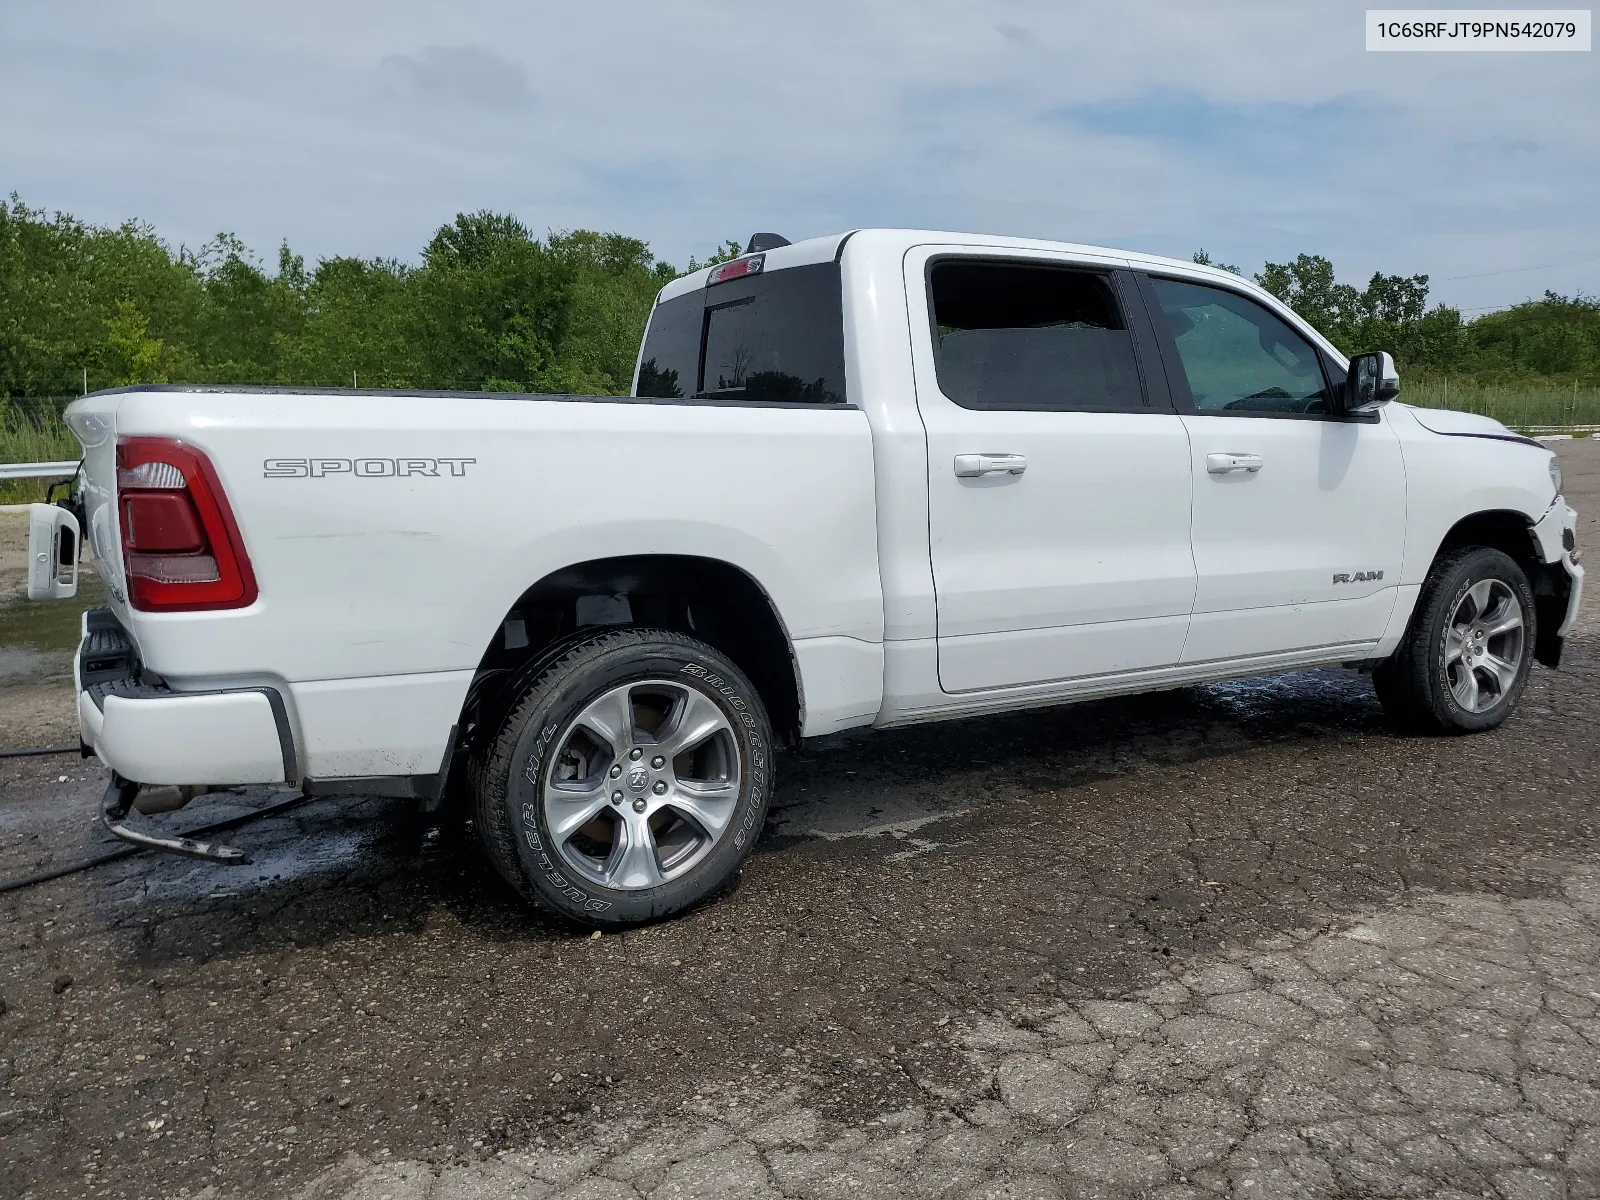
x=865, y=480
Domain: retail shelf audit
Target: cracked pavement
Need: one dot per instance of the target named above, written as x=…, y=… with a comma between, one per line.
x=1233, y=940
x=1442, y=1047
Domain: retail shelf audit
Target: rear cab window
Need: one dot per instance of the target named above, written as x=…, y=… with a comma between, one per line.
x=773, y=337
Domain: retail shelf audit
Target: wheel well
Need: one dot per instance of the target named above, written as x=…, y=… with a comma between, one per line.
x=1509, y=532
x=705, y=598
x=1512, y=534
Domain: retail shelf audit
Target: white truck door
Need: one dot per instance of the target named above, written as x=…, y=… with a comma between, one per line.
x=1299, y=512
x=1058, y=492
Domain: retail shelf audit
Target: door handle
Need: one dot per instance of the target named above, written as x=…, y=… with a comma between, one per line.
x=971, y=466
x=1227, y=464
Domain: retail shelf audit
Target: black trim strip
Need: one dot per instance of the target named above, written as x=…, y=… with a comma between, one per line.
x=1177, y=381
x=838, y=255
x=390, y=787
x=265, y=390
x=1146, y=345
x=1343, y=418
x=397, y=787
x=1489, y=437
x=280, y=718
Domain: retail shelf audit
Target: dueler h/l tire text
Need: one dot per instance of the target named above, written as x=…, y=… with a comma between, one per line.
x=629, y=779
x=1466, y=656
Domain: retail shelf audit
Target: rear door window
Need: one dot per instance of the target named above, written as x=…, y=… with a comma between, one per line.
x=776, y=336
x=1013, y=335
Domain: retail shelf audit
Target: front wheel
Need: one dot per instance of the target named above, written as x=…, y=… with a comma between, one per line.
x=1466, y=656
x=629, y=780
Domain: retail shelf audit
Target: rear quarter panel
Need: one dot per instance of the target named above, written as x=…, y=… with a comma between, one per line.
x=380, y=576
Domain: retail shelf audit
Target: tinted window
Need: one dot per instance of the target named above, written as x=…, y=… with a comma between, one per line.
x=1013, y=335
x=1237, y=355
x=671, y=356
x=777, y=336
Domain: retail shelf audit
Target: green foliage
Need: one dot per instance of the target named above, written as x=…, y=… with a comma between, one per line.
x=727, y=252
x=1204, y=259
x=1554, y=339
x=131, y=354
x=1553, y=336
x=490, y=307
x=61, y=283
x=360, y=325
x=492, y=304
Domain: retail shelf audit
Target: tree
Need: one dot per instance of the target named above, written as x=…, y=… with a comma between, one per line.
x=494, y=304
x=131, y=355
x=360, y=326
x=1204, y=259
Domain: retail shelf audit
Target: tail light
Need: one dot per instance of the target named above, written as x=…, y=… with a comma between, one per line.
x=180, y=544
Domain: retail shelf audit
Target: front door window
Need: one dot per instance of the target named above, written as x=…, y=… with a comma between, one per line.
x=1239, y=357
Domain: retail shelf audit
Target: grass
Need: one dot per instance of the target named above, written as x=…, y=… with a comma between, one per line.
x=1521, y=406
x=31, y=430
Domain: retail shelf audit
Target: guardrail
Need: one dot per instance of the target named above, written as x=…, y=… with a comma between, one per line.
x=49, y=470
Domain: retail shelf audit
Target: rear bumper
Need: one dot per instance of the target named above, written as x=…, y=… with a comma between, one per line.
x=148, y=733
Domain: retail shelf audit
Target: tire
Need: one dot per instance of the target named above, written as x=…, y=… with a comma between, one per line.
x=1437, y=681
x=613, y=826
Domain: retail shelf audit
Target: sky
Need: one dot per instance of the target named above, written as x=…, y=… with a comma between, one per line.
x=1254, y=130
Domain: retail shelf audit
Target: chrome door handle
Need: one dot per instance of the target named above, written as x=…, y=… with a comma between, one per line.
x=1227, y=464
x=971, y=466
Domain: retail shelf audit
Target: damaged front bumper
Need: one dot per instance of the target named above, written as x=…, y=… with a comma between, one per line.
x=1558, y=594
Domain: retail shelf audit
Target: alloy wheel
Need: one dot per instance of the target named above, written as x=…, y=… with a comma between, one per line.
x=642, y=785
x=1483, y=645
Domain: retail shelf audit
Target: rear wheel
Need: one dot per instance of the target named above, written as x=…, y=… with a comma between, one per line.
x=629, y=780
x=1465, y=658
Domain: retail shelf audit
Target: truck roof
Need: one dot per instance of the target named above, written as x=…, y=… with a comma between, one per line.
x=895, y=242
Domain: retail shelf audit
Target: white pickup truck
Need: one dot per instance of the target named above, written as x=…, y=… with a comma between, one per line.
x=872, y=479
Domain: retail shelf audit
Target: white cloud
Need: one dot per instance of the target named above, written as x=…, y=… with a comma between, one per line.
x=456, y=74
x=1255, y=129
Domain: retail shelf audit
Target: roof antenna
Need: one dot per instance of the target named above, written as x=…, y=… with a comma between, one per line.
x=765, y=241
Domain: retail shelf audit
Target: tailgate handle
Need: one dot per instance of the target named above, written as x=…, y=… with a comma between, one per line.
x=972, y=466
x=53, y=535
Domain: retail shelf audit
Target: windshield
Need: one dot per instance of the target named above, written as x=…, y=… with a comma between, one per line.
x=769, y=337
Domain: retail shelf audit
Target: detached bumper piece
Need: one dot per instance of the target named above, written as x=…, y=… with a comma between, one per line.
x=116, y=813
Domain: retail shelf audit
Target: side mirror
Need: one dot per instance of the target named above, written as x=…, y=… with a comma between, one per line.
x=1372, y=381
x=52, y=552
